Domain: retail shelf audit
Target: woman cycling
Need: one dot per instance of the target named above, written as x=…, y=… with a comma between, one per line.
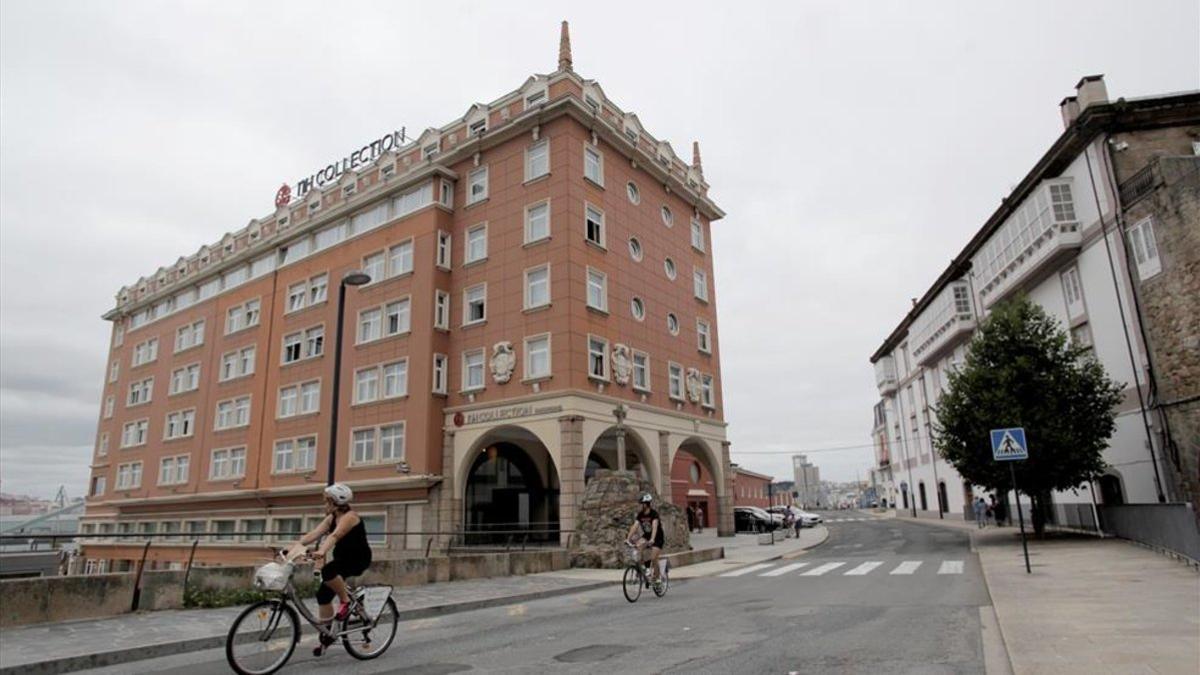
x=345, y=534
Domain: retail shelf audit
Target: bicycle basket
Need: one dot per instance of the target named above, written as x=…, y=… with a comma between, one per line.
x=272, y=577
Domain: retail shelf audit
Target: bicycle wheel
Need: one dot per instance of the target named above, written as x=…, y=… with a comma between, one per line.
x=367, y=640
x=632, y=584
x=664, y=582
x=262, y=638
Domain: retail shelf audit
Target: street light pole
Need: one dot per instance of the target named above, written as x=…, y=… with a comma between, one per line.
x=354, y=278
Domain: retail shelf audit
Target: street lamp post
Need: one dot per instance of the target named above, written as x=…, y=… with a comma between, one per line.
x=352, y=278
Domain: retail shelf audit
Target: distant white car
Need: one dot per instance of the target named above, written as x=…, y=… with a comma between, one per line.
x=806, y=519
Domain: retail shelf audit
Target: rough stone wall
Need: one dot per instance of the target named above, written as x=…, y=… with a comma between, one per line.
x=1170, y=309
x=606, y=512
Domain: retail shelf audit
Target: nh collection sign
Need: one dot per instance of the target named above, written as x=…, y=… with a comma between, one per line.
x=368, y=153
x=498, y=414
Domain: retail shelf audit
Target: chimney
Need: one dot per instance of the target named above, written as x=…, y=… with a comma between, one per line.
x=696, y=156
x=564, y=48
x=1069, y=107
x=1090, y=91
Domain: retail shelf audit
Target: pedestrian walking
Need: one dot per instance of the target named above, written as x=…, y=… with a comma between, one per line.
x=980, y=512
x=691, y=518
x=699, y=519
x=798, y=523
x=998, y=511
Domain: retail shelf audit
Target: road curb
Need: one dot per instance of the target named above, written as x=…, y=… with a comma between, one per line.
x=806, y=549
x=987, y=585
x=116, y=657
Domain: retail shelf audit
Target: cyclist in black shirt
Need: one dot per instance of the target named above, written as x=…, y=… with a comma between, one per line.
x=346, y=535
x=651, y=531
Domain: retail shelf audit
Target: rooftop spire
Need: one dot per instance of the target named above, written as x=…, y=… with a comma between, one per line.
x=564, y=48
x=696, y=156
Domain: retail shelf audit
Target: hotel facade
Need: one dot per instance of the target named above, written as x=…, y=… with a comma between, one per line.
x=541, y=294
x=1104, y=234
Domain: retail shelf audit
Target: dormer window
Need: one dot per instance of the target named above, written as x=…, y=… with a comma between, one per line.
x=388, y=170
x=631, y=133
x=592, y=103
x=281, y=222
x=349, y=189
x=313, y=207
x=477, y=128
x=536, y=98
x=429, y=151
x=228, y=248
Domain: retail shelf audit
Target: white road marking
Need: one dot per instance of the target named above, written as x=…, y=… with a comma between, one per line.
x=862, y=569
x=907, y=567
x=783, y=570
x=818, y=571
x=747, y=570
x=951, y=567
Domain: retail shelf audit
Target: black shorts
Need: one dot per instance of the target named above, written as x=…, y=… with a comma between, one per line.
x=338, y=568
x=658, y=541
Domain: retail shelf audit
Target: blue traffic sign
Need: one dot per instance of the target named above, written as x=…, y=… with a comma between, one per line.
x=1009, y=444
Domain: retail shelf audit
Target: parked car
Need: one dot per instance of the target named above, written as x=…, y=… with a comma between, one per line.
x=752, y=519
x=806, y=519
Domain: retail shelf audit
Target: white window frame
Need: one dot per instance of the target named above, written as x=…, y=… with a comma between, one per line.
x=636, y=251
x=376, y=434
x=603, y=289
x=441, y=373
x=228, y=463
x=383, y=379
x=466, y=317
x=603, y=354
x=295, y=391
x=529, y=235
x=477, y=230
x=1144, y=246
x=406, y=259
x=293, y=453
x=186, y=377
x=476, y=178
x=528, y=285
x=446, y=196
x=185, y=421
x=708, y=391
x=542, y=145
x=645, y=370
x=132, y=471
x=528, y=356
x=243, y=316
x=633, y=193
x=239, y=361
x=374, y=265
x=700, y=284
x=141, y=430
x=444, y=249
x=369, y=325
x=114, y=371
x=467, y=367
x=236, y=406
x=1072, y=287
x=102, y=444
x=179, y=471
x=670, y=268
x=637, y=308
x=144, y=352
x=189, y=336
x=672, y=323
x=367, y=385
x=109, y=404
x=588, y=210
x=140, y=392
x=674, y=381
x=697, y=235
x=703, y=336
x=589, y=148
x=441, y=310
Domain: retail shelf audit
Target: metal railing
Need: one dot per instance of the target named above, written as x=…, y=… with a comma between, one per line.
x=1138, y=185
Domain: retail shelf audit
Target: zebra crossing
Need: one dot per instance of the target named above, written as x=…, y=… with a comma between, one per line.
x=858, y=568
x=848, y=520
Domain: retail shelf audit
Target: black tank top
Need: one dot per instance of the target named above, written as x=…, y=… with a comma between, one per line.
x=353, y=547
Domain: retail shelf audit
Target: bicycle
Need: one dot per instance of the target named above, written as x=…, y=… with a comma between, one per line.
x=638, y=575
x=264, y=636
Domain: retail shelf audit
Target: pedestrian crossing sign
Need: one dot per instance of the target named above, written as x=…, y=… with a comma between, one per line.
x=1009, y=444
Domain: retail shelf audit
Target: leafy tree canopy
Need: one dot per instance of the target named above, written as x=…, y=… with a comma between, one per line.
x=1022, y=370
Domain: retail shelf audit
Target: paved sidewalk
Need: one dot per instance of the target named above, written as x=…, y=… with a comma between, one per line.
x=74, y=645
x=1090, y=605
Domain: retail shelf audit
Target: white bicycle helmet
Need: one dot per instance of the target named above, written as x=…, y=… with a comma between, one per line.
x=339, y=493
x=646, y=498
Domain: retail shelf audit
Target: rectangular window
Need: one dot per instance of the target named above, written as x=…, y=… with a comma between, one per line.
x=329, y=236
x=233, y=413
x=441, y=310
x=254, y=529
x=129, y=476
x=226, y=530
x=140, y=392
x=641, y=371
x=173, y=470
x=477, y=128
x=370, y=325
x=697, y=234
x=318, y=289
x=295, y=250
x=180, y=424
x=98, y=485
x=295, y=455
x=1072, y=292
x=363, y=446
x=703, y=336
x=238, y=363
x=307, y=293
x=447, y=198
x=299, y=399
x=310, y=397
x=191, y=335
x=395, y=379
x=366, y=385
x=297, y=296
x=289, y=401
x=537, y=160
x=374, y=265
x=391, y=442
x=227, y=463
x=477, y=185
x=314, y=342
x=537, y=222
x=397, y=317
x=243, y=316
x=293, y=347
x=707, y=396
x=134, y=433
x=1145, y=249
x=597, y=358
x=593, y=165
x=102, y=445
x=413, y=199
x=114, y=371
x=400, y=259
x=443, y=250
x=185, y=379
x=594, y=225
x=119, y=334
x=472, y=370
x=537, y=287
x=108, y=407
x=1081, y=335
x=476, y=248
x=675, y=381
x=475, y=304
x=1060, y=200
x=440, y=374
x=429, y=151
x=700, y=284
x=537, y=357
x=303, y=344
x=367, y=220
x=535, y=98
x=145, y=352
x=597, y=290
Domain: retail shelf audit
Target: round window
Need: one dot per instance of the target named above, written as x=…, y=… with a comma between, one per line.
x=635, y=195
x=694, y=471
x=638, y=308
x=635, y=249
x=668, y=217
x=673, y=324
x=669, y=268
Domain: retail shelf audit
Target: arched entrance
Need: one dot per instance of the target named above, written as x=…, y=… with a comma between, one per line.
x=511, y=491
x=603, y=455
x=1111, y=493
x=921, y=491
x=904, y=494
x=943, y=497
x=696, y=483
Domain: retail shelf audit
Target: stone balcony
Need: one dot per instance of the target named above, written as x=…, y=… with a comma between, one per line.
x=945, y=323
x=885, y=375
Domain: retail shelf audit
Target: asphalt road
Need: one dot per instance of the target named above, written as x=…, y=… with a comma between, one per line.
x=905, y=598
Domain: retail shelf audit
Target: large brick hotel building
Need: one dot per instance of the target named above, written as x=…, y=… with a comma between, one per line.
x=541, y=292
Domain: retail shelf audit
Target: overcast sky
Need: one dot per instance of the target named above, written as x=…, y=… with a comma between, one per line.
x=854, y=146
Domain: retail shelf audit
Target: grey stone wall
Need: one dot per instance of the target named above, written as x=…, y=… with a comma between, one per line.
x=607, y=510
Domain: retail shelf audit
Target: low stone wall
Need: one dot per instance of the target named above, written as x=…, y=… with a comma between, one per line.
x=54, y=599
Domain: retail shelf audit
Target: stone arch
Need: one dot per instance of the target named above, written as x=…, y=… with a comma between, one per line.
x=1112, y=488
x=510, y=486
x=639, y=457
x=719, y=509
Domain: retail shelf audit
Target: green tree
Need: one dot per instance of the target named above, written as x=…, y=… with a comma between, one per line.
x=1022, y=370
